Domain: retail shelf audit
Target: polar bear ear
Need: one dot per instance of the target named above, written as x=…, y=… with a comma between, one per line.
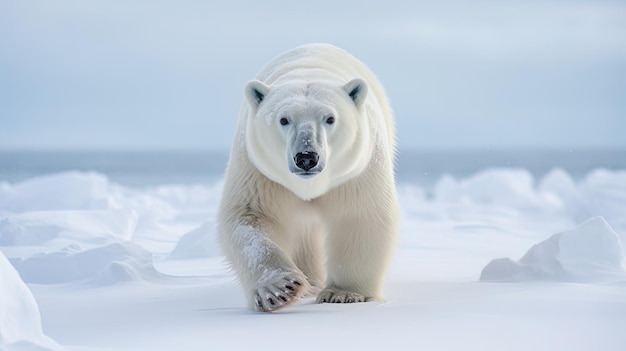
x=255, y=92
x=357, y=90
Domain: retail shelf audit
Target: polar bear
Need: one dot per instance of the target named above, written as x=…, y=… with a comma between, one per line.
x=309, y=204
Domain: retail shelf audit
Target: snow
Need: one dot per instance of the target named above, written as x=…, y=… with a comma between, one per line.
x=39, y=227
x=103, y=265
x=20, y=322
x=511, y=188
x=590, y=252
x=197, y=243
x=62, y=191
x=116, y=268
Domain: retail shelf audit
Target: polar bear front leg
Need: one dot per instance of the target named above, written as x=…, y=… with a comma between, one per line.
x=271, y=280
x=359, y=252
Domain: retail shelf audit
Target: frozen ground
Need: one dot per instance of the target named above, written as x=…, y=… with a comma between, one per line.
x=495, y=261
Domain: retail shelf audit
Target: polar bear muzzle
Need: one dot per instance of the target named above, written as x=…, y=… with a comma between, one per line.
x=306, y=160
x=306, y=150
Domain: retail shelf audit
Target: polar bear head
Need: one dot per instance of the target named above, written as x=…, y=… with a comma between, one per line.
x=309, y=136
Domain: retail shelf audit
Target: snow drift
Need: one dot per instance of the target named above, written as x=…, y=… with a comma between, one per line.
x=20, y=321
x=123, y=261
x=78, y=227
x=504, y=187
x=591, y=252
x=95, y=227
x=59, y=191
x=200, y=242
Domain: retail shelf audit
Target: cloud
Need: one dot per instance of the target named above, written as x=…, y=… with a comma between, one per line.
x=518, y=30
x=115, y=72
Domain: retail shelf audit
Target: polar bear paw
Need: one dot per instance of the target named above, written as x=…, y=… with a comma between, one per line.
x=332, y=295
x=279, y=293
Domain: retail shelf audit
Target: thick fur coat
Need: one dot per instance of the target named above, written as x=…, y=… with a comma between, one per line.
x=309, y=203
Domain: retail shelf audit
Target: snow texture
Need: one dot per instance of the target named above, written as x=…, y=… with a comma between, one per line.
x=112, y=263
x=60, y=191
x=591, y=252
x=511, y=188
x=198, y=243
x=98, y=227
x=117, y=268
x=20, y=322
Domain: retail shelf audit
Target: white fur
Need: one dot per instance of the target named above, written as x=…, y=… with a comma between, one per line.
x=278, y=228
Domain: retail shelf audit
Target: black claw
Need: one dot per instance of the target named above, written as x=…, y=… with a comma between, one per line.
x=297, y=282
x=282, y=298
x=290, y=287
x=271, y=301
x=330, y=298
x=324, y=300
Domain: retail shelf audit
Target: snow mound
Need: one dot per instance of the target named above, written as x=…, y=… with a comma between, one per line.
x=20, y=321
x=198, y=243
x=503, y=187
x=118, y=262
x=592, y=252
x=59, y=191
x=97, y=227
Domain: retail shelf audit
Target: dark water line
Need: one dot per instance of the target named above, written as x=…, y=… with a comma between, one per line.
x=137, y=168
x=426, y=167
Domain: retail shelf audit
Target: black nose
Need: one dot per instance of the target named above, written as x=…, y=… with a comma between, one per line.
x=306, y=160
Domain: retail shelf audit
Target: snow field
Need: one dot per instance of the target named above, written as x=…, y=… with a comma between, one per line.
x=118, y=268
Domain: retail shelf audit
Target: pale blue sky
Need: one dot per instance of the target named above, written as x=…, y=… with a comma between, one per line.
x=169, y=74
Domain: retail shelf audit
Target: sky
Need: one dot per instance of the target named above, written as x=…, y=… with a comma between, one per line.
x=120, y=74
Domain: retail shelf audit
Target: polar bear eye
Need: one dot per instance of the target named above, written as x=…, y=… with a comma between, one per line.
x=284, y=121
x=330, y=120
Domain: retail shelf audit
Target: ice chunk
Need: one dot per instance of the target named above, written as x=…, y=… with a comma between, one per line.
x=589, y=253
x=20, y=321
x=103, y=265
x=603, y=193
x=600, y=193
x=200, y=242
